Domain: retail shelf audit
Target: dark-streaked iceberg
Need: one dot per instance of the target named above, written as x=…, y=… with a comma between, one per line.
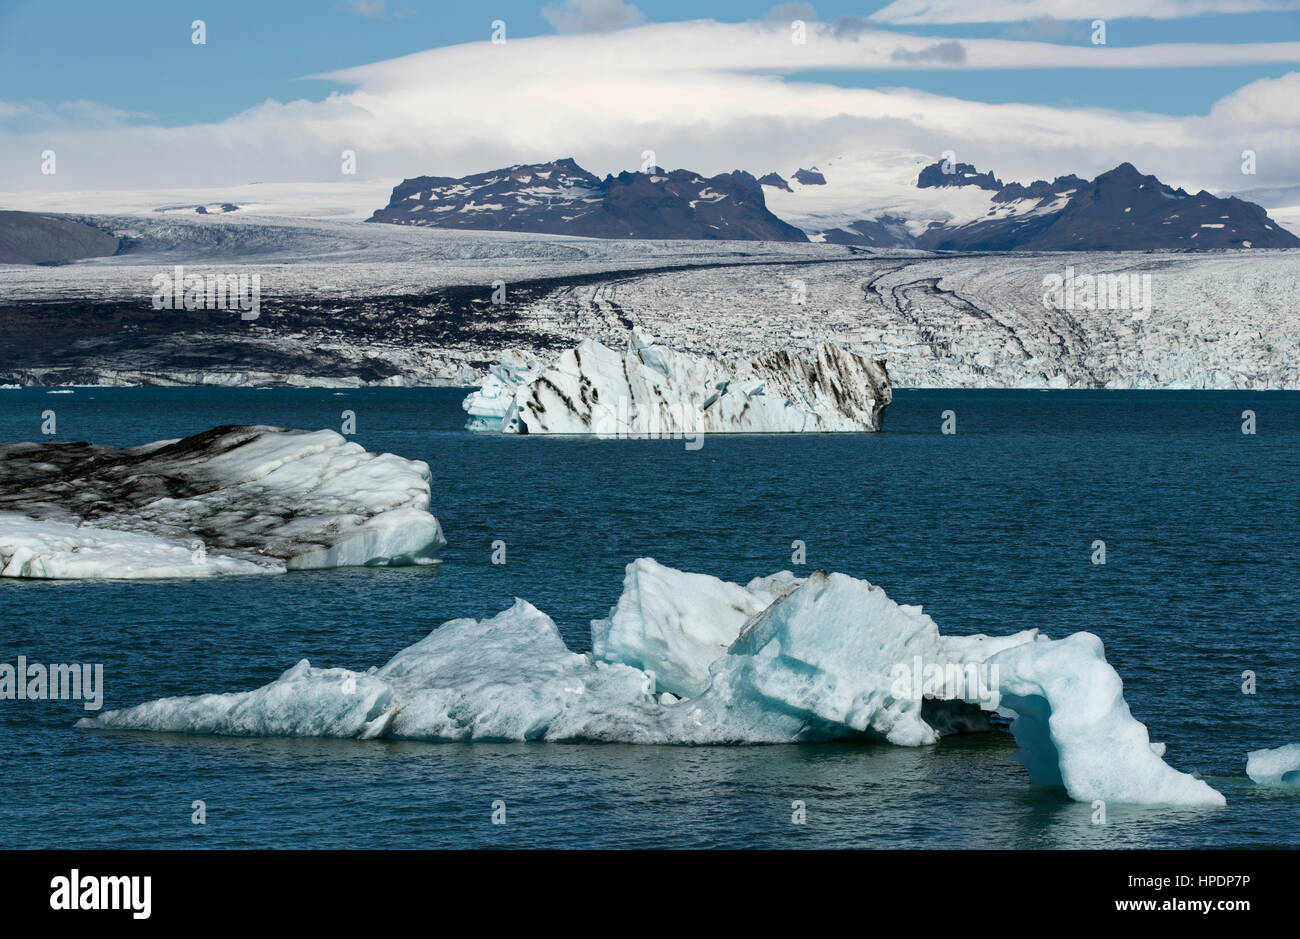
x=231, y=500
x=650, y=390
x=688, y=659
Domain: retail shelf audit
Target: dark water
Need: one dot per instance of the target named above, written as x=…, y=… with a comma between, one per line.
x=991, y=530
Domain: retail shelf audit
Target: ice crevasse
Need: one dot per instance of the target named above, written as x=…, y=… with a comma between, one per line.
x=686, y=658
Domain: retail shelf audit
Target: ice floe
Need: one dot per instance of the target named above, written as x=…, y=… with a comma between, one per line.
x=686, y=658
x=1275, y=767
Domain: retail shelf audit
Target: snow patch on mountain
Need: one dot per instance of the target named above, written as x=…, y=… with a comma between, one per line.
x=865, y=194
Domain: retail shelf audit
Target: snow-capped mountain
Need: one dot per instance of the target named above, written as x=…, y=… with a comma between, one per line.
x=1119, y=210
x=900, y=200
x=561, y=198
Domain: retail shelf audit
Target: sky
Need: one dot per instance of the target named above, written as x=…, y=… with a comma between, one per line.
x=125, y=98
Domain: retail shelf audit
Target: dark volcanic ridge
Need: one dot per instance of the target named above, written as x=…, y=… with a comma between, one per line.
x=1120, y=210
x=561, y=198
x=28, y=238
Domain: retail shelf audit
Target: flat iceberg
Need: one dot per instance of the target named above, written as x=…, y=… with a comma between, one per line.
x=231, y=500
x=1279, y=767
x=649, y=390
x=685, y=658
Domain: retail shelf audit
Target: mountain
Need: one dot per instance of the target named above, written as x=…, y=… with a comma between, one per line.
x=1119, y=210
x=810, y=177
x=954, y=207
x=561, y=198
x=883, y=200
x=959, y=174
x=34, y=239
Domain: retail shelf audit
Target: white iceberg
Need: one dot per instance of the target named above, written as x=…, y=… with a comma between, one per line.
x=1279, y=767
x=674, y=625
x=1075, y=728
x=64, y=551
x=506, y=678
x=494, y=399
x=652, y=391
x=232, y=500
x=828, y=657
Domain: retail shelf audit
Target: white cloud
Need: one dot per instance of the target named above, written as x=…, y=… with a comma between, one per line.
x=1263, y=102
x=788, y=12
x=702, y=95
x=65, y=115
x=1007, y=11
x=847, y=44
x=591, y=16
x=949, y=52
x=375, y=10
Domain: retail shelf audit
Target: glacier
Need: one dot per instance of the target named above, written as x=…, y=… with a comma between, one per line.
x=952, y=320
x=650, y=390
x=1278, y=767
x=686, y=658
x=1217, y=319
x=231, y=500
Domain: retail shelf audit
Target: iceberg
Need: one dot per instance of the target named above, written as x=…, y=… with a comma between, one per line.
x=231, y=500
x=651, y=391
x=1075, y=729
x=673, y=625
x=489, y=405
x=1279, y=767
x=685, y=658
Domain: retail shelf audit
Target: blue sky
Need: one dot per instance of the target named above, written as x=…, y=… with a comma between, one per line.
x=126, y=100
x=136, y=56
